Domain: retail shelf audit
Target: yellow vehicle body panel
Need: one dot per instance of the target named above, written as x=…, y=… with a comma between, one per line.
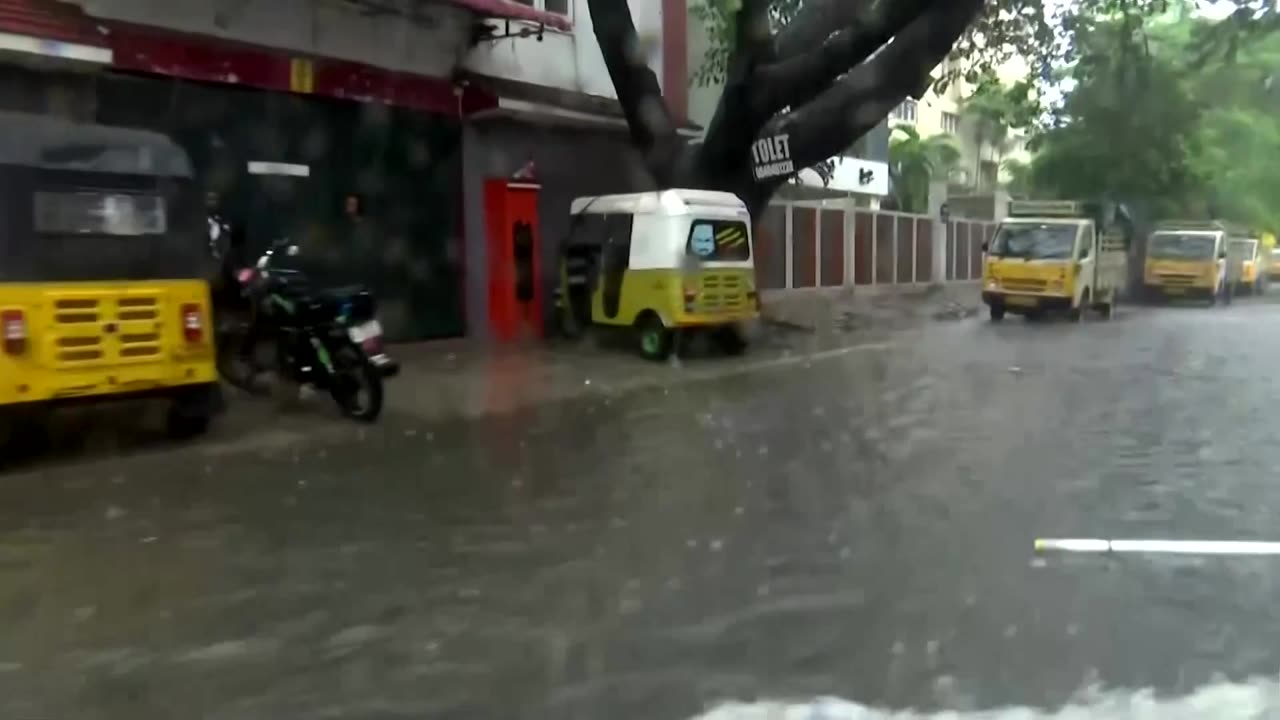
x=722, y=296
x=87, y=340
x=1249, y=272
x=1013, y=277
x=1181, y=275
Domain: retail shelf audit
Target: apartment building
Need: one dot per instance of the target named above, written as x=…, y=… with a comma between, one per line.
x=983, y=159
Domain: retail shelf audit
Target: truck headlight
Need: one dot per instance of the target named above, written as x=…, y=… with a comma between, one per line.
x=993, y=284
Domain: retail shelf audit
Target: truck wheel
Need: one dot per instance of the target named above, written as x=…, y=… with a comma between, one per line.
x=997, y=313
x=1108, y=309
x=1077, y=313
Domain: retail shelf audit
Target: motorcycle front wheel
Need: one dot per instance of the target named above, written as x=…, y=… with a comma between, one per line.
x=357, y=385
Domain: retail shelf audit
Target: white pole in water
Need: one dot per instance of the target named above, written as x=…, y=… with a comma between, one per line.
x=1166, y=547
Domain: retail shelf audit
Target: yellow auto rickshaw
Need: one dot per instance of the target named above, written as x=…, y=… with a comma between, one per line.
x=659, y=265
x=103, y=272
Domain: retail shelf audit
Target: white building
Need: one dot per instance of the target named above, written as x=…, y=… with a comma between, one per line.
x=982, y=159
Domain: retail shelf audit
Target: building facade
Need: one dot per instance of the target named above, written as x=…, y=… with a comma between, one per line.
x=366, y=129
x=983, y=158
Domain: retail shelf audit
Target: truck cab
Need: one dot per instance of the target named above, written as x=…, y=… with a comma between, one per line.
x=1186, y=259
x=1051, y=256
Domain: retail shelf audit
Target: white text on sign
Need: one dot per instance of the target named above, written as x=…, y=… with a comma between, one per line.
x=772, y=157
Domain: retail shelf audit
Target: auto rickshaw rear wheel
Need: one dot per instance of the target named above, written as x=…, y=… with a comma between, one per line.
x=654, y=337
x=191, y=412
x=730, y=340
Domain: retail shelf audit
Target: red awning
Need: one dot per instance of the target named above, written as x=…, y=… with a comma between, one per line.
x=49, y=20
x=510, y=10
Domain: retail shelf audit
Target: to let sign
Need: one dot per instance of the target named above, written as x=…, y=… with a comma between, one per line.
x=771, y=157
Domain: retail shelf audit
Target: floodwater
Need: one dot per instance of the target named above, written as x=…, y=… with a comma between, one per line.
x=843, y=538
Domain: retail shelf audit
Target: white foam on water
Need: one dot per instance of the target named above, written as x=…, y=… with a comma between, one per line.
x=1217, y=701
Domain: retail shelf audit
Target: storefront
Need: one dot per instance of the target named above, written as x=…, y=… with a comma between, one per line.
x=369, y=190
x=285, y=165
x=411, y=152
x=363, y=164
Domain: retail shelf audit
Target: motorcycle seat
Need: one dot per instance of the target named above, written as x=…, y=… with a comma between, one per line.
x=343, y=293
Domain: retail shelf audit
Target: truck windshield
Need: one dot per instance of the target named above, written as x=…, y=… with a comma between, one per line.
x=1047, y=241
x=1246, y=249
x=1182, y=246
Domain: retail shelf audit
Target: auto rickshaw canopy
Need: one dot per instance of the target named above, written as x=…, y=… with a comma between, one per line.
x=82, y=202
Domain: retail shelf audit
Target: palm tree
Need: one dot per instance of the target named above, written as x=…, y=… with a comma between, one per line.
x=914, y=162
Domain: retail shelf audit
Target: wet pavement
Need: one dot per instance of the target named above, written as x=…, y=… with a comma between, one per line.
x=855, y=526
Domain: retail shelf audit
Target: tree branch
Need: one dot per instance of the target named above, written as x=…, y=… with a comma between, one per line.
x=653, y=131
x=855, y=104
x=733, y=126
x=752, y=37
x=797, y=79
x=815, y=22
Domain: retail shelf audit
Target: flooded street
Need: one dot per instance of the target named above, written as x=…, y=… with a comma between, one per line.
x=858, y=527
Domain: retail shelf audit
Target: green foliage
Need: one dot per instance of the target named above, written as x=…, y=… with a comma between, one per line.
x=1148, y=121
x=914, y=162
x=994, y=109
x=1130, y=128
x=1041, y=32
x=717, y=16
x=1019, y=174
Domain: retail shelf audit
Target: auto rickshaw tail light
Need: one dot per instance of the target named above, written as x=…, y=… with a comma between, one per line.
x=15, y=331
x=192, y=324
x=690, y=295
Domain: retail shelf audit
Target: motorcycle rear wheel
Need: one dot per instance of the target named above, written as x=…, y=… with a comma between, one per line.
x=357, y=385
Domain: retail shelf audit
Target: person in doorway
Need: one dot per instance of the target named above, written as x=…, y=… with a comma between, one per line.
x=219, y=228
x=364, y=260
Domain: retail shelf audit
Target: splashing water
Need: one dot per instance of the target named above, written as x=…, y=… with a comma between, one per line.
x=1222, y=701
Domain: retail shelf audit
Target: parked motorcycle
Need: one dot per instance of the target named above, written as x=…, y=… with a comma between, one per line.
x=329, y=339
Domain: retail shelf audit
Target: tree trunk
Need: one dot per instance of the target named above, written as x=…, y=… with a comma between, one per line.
x=831, y=75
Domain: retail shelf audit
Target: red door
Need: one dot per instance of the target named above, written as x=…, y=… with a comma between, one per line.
x=515, y=267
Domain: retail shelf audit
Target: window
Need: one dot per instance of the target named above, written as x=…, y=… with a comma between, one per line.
x=719, y=240
x=1182, y=246
x=1035, y=241
x=559, y=7
x=950, y=123
x=93, y=213
x=906, y=112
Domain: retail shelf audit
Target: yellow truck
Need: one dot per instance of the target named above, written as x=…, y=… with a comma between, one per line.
x=1253, y=264
x=1186, y=259
x=1056, y=256
x=1271, y=256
